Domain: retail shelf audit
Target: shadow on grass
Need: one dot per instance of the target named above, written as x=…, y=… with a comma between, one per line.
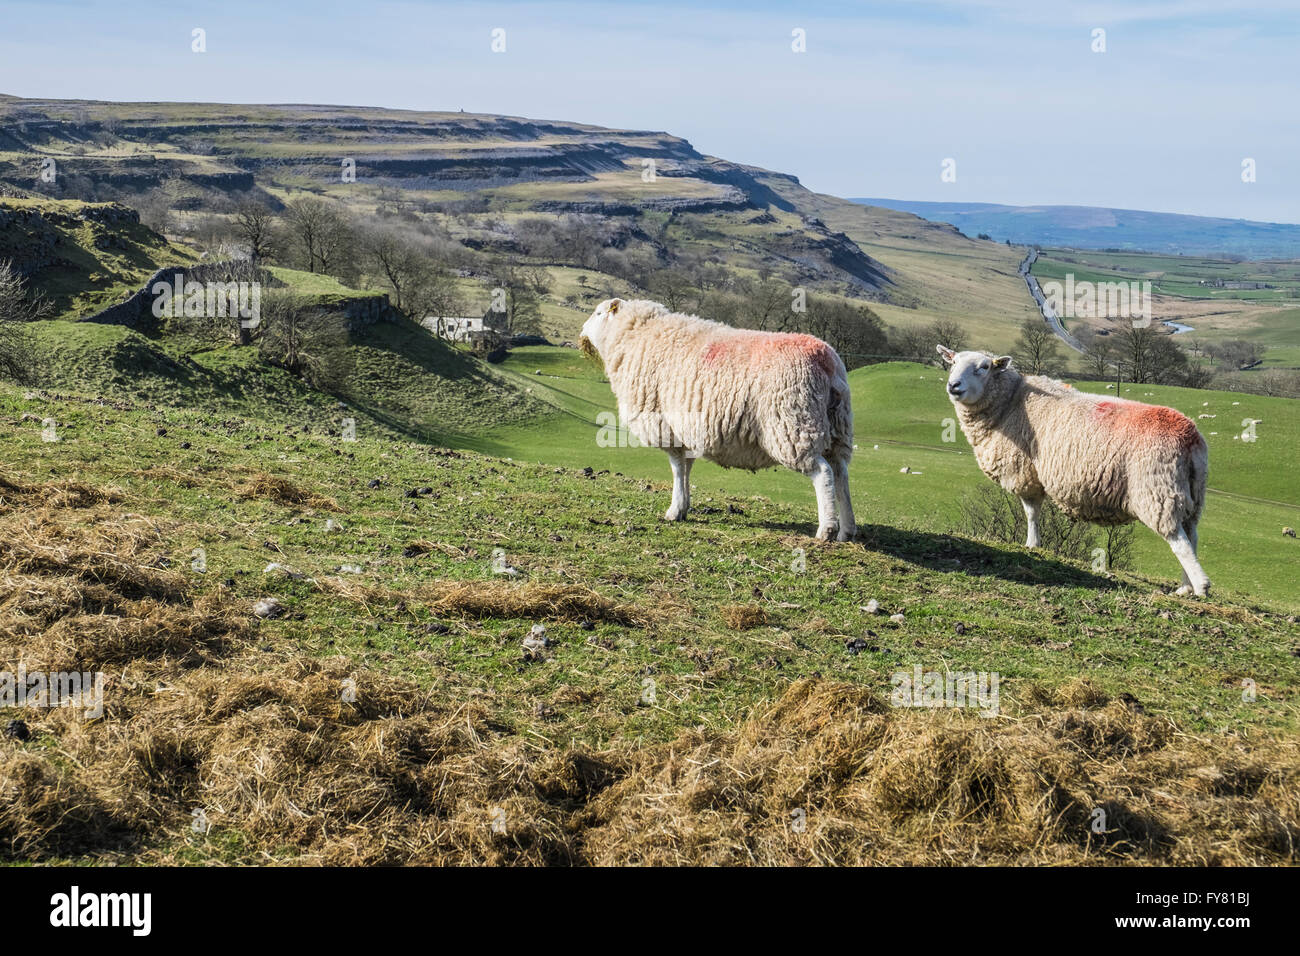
x=943, y=552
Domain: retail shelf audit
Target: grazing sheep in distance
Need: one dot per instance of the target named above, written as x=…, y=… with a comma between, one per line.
x=740, y=398
x=1102, y=459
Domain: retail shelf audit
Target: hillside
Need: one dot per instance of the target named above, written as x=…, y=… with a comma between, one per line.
x=544, y=405
x=83, y=256
x=397, y=378
x=482, y=178
x=699, y=685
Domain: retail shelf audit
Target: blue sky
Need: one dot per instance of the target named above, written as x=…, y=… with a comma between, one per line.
x=1010, y=89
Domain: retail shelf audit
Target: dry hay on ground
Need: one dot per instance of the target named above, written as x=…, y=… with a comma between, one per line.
x=53, y=494
x=823, y=776
x=283, y=491
x=295, y=759
x=743, y=617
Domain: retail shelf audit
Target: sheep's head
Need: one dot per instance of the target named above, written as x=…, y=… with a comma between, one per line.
x=970, y=373
x=593, y=330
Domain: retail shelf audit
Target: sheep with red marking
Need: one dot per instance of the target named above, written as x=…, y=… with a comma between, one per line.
x=1100, y=459
x=740, y=398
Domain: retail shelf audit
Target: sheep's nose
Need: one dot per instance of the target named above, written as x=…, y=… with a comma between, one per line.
x=954, y=389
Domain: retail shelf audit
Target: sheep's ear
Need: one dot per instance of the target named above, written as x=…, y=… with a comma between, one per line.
x=613, y=305
x=1002, y=362
x=947, y=353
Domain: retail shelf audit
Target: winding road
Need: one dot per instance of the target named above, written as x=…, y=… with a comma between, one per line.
x=1049, y=314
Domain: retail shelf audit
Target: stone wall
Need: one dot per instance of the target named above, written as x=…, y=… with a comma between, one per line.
x=32, y=240
x=363, y=312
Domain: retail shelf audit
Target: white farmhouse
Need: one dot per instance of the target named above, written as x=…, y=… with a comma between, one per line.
x=465, y=328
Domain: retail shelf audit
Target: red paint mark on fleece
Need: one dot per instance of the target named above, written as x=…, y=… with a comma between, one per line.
x=714, y=353
x=757, y=348
x=794, y=344
x=1134, y=420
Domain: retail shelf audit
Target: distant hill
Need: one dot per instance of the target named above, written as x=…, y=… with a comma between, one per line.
x=601, y=209
x=1099, y=227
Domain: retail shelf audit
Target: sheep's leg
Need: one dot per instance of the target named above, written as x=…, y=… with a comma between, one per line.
x=681, y=465
x=1032, y=507
x=844, y=507
x=1184, y=547
x=1186, y=587
x=687, y=461
x=1183, y=543
x=823, y=479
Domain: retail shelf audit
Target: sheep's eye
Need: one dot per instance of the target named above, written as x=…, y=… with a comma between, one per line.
x=983, y=369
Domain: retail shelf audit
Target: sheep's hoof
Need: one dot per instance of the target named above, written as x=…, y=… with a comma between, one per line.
x=674, y=514
x=847, y=534
x=1185, y=590
x=827, y=533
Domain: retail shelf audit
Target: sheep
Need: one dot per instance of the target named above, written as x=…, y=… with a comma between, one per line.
x=1101, y=459
x=740, y=398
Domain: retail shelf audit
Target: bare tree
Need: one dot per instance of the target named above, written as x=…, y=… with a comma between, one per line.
x=393, y=256
x=1149, y=357
x=254, y=225
x=407, y=263
x=947, y=332
x=773, y=305
x=1239, y=353
x=154, y=207
x=1098, y=354
x=302, y=338
x=17, y=308
x=523, y=304
x=1134, y=353
x=1037, y=351
x=672, y=288
x=433, y=291
x=320, y=231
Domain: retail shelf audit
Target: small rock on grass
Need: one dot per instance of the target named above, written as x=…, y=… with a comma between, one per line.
x=276, y=567
x=536, y=642
x=268, y=607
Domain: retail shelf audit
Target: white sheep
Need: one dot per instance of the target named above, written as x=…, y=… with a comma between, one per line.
x=740, y=398
x=1102, y=459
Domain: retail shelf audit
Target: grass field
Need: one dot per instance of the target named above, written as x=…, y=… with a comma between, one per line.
x=699, y=683
x=899, y=413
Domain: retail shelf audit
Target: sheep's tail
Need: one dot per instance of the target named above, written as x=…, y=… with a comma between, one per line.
x=839, y=413
x=1198, y=470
